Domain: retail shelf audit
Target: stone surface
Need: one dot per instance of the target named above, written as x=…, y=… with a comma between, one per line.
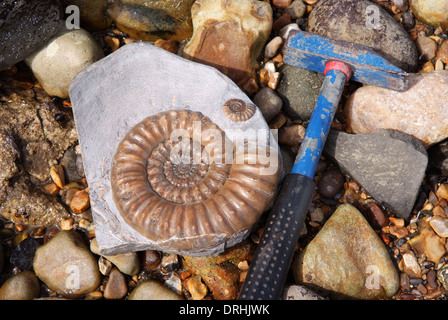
x=230, y=36
x=104, y=112
x=23, y=255
x=25, y=26
x=364, y=22
x=442, y=276
x=423, y=104
x=390, y=165
x=57, y=63
x=296, y=9
x=22, y=286
x=427, y=242
x=92, y=13
x=427, y=47
x=152, y=20
x=31, y=141
x=116, y=287
x=152, y=290
x=440, y=226
x=433, y=12
x=296, y=292
x=220, y=273
x=66, y=265
x=442, y=54
x=299, y=89
x=269, y=102
x=126, y=262
x=348, y=259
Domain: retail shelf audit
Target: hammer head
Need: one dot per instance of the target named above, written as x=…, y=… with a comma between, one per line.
x=313, y=52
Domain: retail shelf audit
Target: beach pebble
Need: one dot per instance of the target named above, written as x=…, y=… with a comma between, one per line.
x=116, y=287
x=66, y=265
x=433, y=12
x=347, y=245
x=296, y=9
x=370, y=108
x=22, y=286
x=269, y=103
x=128, y=262
x=61, y=59
x=152, y=290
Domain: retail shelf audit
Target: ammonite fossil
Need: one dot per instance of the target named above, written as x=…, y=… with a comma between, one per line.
x=237, y=110
x=188, y=193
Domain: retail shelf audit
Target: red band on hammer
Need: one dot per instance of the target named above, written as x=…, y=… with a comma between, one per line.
x=340, y=66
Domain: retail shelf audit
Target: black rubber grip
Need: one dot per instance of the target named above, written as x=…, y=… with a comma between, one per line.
x=272, y=258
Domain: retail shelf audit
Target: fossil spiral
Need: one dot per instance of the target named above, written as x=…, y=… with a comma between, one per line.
x=237, y=110
x=188, y=193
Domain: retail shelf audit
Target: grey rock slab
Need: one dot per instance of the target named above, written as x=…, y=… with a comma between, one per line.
x=114, y=94
x=390, y=165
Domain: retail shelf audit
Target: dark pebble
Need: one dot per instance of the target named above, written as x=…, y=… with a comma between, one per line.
x=415, y=281
x=431, y=277
x=23, y=255
x=150, y=259
x=330, y=183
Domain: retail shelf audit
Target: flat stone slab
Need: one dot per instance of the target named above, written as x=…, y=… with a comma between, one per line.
x=119, y=91
x=389, y=164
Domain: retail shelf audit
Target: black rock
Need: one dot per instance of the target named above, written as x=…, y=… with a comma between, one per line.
x=438, y=158
x=26, y=26
x=23, y=255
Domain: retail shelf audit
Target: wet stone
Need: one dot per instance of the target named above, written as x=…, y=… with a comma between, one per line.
x=92, y=13
x=22, y=286
x=63, y=255
x=27, y=119
x=152, y=20
x=150, y=259
x=152, y=290
x=23, y=255
x=296, y=9
x=25, y=26
x=116, y=287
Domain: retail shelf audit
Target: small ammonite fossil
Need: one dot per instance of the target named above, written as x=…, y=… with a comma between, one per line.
x=186, y=193
x=237, y=110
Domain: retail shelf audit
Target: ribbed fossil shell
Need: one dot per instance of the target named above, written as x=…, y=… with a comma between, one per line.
x=184, y=204
x=237, y=110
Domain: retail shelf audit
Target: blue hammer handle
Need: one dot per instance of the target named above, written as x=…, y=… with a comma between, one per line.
x=269, y=268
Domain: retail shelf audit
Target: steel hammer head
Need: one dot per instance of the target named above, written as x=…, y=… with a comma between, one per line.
x=313, y=52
